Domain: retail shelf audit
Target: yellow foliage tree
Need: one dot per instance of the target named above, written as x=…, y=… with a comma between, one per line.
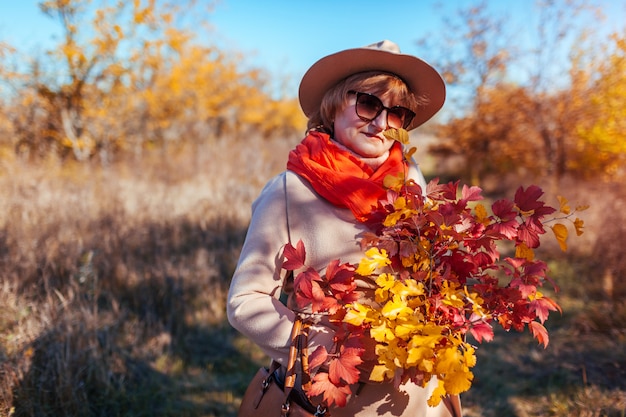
x=134, y=76
x=601, y=137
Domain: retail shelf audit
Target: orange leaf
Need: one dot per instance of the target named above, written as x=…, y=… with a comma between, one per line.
x=579, y=224
x=560, y=232
x=524, y=252
x=564, y=206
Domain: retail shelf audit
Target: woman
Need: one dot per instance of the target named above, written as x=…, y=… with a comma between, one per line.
x=333, y=180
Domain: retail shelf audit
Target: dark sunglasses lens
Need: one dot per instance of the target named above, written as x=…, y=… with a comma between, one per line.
x=399, y=117
x=368, y=106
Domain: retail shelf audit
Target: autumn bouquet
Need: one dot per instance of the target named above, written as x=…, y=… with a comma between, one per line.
x=436, y=258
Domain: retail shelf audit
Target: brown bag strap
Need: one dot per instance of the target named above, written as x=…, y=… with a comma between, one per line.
x=298, y=355
x=453, y=404
x=304, y=357
x=290, y=376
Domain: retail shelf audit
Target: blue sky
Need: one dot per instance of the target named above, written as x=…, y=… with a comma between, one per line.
x=286, y=37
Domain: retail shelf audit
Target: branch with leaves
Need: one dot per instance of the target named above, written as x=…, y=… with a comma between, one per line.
x=436, y=260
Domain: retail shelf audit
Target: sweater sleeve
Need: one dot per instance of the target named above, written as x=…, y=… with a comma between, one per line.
x=253, y=305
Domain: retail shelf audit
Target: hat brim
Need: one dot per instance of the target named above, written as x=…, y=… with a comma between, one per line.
x=421, y=78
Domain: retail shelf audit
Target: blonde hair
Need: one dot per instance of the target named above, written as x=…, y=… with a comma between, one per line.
x=374, y=82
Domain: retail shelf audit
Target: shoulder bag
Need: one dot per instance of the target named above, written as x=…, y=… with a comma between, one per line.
x=268, y=396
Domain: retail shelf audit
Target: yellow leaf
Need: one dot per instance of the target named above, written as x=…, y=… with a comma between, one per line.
x=401, y=210
x=448, y=360
x=118, y=30
x=394, y=182
x=381, y=333
x=469, y=355
x=481, y=214
x=407, y=326
x=385, y=282
x=375, y=259
x=356, y=314
x=425, y=341
x=560, y=232
x=476, y=301
x=409, y=154
x=380, y=373
x=426, y=365
x=458, y=382
x=396, y=307
x=454, y=301
x=437, y=395
x=409, y=288
x=400, y=135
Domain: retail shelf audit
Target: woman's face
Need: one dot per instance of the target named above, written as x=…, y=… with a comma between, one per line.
x=362, y=137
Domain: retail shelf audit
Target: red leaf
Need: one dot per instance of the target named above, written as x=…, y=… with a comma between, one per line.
x=504, y=210
x=507, y=229
x=304, y=288
x=529, y=234
x=542, y=307
x=340, y=277
x=472, y=193
x=535, y=269
x=318, y=357
x=327, y=304
x=295, y=256
x=527, y=200
x=482, y=331
x=539, y=332
x=434, y=189
x=448, y=190
x=344, y=367
x=332, y=394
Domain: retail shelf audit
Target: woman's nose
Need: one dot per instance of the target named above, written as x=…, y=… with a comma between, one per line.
x=381, y=120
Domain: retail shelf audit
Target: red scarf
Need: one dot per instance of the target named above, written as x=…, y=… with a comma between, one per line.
x=342, y=178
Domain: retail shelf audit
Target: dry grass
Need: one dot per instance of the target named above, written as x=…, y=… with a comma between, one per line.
x=113, y=282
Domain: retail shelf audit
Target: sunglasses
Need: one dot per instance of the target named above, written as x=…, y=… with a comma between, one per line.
x=368, y=107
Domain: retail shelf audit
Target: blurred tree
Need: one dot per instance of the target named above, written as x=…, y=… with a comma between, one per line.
x=131, y=75
x=496, y=138
x=505, y=127
x=561, y=29
x=477, y=66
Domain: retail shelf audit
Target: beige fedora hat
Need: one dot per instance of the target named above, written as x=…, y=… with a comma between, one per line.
x=420, y=77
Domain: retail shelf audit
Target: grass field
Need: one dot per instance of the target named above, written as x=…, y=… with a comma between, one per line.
x=113, y=283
